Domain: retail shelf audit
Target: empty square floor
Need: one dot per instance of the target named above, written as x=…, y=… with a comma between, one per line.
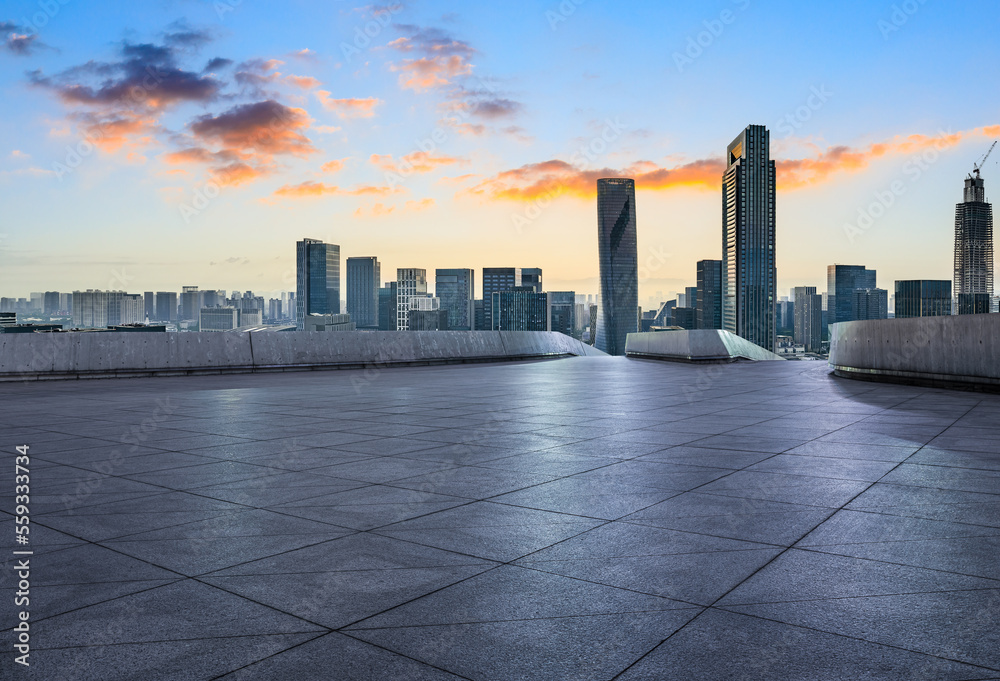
x=578, y=519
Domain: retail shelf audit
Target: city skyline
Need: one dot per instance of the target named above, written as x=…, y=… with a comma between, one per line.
x=508, y=144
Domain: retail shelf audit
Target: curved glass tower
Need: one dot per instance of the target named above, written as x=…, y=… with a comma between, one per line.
x=618, y=314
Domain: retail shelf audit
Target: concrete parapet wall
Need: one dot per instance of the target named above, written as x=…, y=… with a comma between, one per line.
x=952, y=351
x=703, y=345
x=110, y=355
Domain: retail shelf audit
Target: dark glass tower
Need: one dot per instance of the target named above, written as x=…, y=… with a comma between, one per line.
x=709, y=303
x=318, y=279
x=748, y=239
x=974, y=249
x=923, y=298
x=496, y=279
x=364, y=277
x=841, y=283
x=457, y=290
x=618, y=314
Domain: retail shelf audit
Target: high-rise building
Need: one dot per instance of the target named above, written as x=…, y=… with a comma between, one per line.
x=505, y=278
x=685, y=317
x=317, y=278
x=133, y=309
x=870, y=303
x=749, y=275
x=457, y=290
x=218, y=319
x=808, y=326
x=50, y=302
x=411, y=282
x=166, y=307
x=429, y=320
x=974, y=249
x=923, y=298
x=191, y=303
x=842, y=281
x=784, y=318
x=149, y=304
x=709, y=306
x=96, y=309
x=387, y=307
x=521, y=309
x=618, y=314
x=481, y=324
x=364, y=278
x=563, y=312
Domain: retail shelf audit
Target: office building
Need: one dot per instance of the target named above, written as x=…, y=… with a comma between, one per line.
x=8, y=319
x=808, y=322
x=923, y=298
x=317, y=279
x=480, y=323
x=618, y=313
x=521, y=309
x=50, y=303
x=428, y=320
x=842, y=281
x=213, y=319
x=166, y=307
x=411, y=282
x=250, y=317
x=457, y=290
x=709, y=306
x=387, y=307
x=685, y=317
x=974, y=249
x=505, y=278
x=133, y=309
x=748, y=239
x=364, y=278
x=870, y=303
x=562, y=306
x=149, y=304
x=99, y=309
x=328, y=322
x=784, y=317
x=191, y=303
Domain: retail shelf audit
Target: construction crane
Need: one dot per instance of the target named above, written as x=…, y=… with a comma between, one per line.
x=978, y=166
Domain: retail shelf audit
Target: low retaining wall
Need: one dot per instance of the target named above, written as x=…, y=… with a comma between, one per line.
x=118, y=355
x=701, y=346
x=953, y=351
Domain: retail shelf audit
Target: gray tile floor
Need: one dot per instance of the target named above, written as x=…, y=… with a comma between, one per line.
x=578, y=519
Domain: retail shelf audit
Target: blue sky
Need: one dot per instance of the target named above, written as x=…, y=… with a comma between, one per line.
x=512, y=91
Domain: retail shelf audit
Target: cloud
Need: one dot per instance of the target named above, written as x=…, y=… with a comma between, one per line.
x=418, y=162
x=256, y=74
x=216, y=64
x=304, y=82
x=23, y=44
x=19, y=155
x=179, y=34
x=558, y=177
x=348, y=108
x=426, y=73
x=377, y=210
x=265, y=128
x=110, y=132
x=423, y=204
x=334, y=166
x=304, y=54
x=316, y=189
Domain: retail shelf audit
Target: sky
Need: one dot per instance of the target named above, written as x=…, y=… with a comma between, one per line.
x=148, y=146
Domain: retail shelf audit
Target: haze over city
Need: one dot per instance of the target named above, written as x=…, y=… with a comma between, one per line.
x=434, y=137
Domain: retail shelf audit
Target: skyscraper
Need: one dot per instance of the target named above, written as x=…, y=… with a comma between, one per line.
x=457, y=291
x=387, y=307
x=841, y=283
x=411, y=282
x=563, y=312
x=709, y=304
x=808, y=312
x=318, y=279
x=364, y=277
x=870, y=303
x=617, y=248
x=748, y=238
x=502, y=279
x=521, y=309
x=923, y=298
x=974, y=249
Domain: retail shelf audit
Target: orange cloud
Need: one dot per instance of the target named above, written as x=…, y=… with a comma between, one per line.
x=316, y=189
x=237, y=173
x=265, y=128
x=426, y=73
x=378, y=210
x=111, y=133
x=557, y=177
x=348, y=108
x=334, y=166
x=304, y=82
x=423, y=204
x=418, y=162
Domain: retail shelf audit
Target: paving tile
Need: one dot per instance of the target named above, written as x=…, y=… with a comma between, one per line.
x=857, y=527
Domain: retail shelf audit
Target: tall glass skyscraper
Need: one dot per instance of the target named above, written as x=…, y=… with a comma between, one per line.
x=364, y=277
x=709, y=302
x=318, y=279
x=496, y=279
x=841, y=283
x=923, y=298
x=617, y=248
x=749, y=275
x=457, y=291
x=411, y=282
x=974, y=249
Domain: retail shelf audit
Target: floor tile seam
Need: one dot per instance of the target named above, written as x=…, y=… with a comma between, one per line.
x=408, y=657
x=895, y=563
x=181, y=640
x=268, y=657
x=863, y=596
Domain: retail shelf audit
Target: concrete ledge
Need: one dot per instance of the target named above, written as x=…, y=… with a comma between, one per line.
x=68, y=356
x=704, y=346
x=948, y=352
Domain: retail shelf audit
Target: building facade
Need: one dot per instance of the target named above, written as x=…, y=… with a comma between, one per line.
x=923, y=298
x=521, y=309
x=749, y=275
x=841, y=282
x=213, y=319
x=317, y=279
x=808, y=313
x=974, y=249
x=411, y=282
x=387, y=307
x=457, y=290
x=364, y=278
x=497, y=279
x=870, y=303
x=562, y=305
x=617, y=247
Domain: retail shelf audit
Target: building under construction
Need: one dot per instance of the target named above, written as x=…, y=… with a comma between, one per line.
x=974, y=248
